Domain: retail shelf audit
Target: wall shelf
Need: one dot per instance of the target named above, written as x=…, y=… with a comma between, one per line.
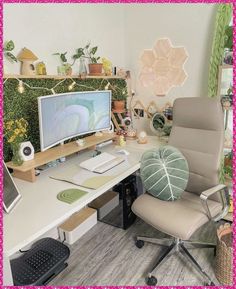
x=27, y=170
x=12, y=76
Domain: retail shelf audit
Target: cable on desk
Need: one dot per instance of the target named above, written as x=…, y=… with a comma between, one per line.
x=64, y=234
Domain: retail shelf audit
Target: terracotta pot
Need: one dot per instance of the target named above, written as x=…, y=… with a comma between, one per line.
x=119, y=105
x=95, y=69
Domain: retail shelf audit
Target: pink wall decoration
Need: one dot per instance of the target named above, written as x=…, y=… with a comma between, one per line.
x=163, y=67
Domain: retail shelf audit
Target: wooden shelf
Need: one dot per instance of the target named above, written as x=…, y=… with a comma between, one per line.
x=12, y=76
x=27, y=170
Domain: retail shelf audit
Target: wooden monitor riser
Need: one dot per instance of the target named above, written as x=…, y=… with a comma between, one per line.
x=27, y=170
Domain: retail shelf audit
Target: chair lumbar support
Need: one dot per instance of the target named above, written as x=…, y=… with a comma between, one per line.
x=171, y=246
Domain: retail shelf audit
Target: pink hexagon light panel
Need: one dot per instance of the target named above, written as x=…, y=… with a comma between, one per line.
x=163, y=67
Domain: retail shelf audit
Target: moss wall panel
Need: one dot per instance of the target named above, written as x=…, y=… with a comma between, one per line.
x=25, y=105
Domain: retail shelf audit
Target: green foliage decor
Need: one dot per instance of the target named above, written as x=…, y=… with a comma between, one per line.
x=8, y=48
x=223, y=16
x=25, y=105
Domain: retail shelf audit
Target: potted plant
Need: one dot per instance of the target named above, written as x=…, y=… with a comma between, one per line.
x=80, y=54
x=119, y=101
x=65, y=68
x=95, y=68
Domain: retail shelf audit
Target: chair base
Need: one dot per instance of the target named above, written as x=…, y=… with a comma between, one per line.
x=172, y=246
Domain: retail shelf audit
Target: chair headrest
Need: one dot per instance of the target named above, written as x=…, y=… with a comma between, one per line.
x=198, y=113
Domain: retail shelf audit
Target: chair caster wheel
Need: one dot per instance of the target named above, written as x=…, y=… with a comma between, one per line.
x=151, y=281
x=209, y=284
x=139, y=244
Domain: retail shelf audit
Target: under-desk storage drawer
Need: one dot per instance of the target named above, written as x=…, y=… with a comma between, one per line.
x=105, y=203
x=77, y=225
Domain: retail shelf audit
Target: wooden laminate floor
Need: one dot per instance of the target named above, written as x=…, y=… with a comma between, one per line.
x=106, y=255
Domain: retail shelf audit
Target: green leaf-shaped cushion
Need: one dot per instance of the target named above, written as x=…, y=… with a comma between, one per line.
x=164, y=173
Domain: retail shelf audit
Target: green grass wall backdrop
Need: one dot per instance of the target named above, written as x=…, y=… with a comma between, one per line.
x=25, y=105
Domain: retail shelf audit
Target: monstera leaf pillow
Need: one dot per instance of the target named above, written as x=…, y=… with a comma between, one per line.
x=164, y=173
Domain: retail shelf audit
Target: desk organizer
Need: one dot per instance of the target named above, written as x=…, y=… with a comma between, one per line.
x=105, y=203
x=27, y=170
x=40, y=264
x=77, y=225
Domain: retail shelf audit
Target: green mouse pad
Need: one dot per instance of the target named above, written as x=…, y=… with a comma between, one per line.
x=70, y=195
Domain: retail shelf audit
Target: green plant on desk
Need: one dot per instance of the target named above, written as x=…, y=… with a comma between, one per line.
x=228, y=165
x=15, y=132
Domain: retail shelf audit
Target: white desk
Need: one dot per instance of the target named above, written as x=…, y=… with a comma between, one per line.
x=39, y=210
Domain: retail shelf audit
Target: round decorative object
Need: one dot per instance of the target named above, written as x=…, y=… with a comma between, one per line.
x=126, y=121
x=26, y=151
x=157, y=123
x=164, y=173
x=142, y=138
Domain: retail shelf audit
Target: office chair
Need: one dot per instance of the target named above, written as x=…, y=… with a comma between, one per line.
x=198, y=132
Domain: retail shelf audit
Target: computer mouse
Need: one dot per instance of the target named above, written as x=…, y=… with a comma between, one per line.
x=123, y=152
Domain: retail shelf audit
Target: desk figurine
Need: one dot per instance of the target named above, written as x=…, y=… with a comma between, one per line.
x=122, y=141
x=142, y=138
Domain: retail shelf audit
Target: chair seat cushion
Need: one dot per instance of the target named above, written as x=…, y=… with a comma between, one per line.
x=164, y=173
x=179, y=219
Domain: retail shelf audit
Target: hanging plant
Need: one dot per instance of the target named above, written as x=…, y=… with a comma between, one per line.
x=8, y=47
x=229, y=37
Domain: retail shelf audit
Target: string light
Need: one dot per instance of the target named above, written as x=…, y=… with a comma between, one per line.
x=22, y=85
x=21, y=88
x=71, y=86
x=107, y=86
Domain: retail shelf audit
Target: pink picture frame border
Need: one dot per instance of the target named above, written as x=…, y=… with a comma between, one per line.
x=1, y=132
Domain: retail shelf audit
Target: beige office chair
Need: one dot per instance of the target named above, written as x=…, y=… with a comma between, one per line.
x=198, y=132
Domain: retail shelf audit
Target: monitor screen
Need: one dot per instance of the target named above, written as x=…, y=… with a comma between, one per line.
x=63, y=116
x=11, y=194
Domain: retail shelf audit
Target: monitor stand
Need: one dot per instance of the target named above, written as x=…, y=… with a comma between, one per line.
x=27, y=170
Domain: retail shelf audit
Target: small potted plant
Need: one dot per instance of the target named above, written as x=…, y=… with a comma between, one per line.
x=15, y=132
x=119, y=100
x=95, y=68
x=65, y=68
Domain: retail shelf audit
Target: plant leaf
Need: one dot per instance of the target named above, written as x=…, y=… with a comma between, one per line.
x=11, y=56
x=63, y=57
x=9, y=45
x=93, y=50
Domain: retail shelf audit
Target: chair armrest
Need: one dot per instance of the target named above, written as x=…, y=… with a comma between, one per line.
x=224, y=195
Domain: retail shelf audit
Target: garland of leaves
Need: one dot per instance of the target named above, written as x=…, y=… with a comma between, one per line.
x=24, y=105
x=223, y=16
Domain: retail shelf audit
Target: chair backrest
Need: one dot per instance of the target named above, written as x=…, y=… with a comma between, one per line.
x=198, y=132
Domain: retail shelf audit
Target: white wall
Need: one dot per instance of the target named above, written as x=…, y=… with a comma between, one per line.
x=49, y=28
x=188, y=25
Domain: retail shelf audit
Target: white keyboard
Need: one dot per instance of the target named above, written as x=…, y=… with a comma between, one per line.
x=101, y=163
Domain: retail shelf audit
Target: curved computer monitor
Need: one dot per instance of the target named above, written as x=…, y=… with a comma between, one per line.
x=67, y=115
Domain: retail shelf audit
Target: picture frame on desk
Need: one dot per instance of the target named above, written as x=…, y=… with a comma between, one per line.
x=11, y=194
